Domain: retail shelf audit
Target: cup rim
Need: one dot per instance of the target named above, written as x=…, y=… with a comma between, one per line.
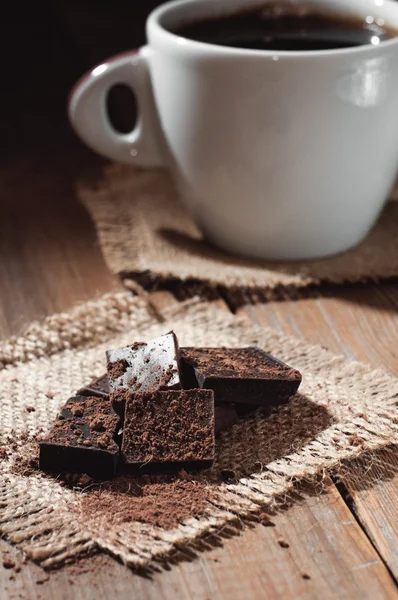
x=155, y=27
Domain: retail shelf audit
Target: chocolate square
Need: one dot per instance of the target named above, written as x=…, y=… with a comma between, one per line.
x=246, y=376
x=82, y=439
x=169, y=430
x=99, y=386
x=143, y=367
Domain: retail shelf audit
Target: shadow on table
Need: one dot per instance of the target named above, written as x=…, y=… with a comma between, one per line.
x=370, y=470
x=236, y=295
x=260, y=439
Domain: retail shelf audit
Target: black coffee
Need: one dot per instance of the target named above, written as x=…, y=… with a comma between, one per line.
x=284, y=27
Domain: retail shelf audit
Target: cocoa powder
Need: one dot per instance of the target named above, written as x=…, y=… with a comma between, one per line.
x=237, y=362
x=26, y=454
x=169, y=427
x=118, y=368
x=159, y=501
x=162, y=501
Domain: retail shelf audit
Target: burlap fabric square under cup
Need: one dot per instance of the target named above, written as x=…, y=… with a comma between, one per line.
x=146, y=233
x=343, y=409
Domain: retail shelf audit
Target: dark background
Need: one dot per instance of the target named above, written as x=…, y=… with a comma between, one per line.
x=46, y=46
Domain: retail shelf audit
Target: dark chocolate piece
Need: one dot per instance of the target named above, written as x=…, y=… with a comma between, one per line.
x=82, y=439
x=225, y=416
x=143, y=367
x=240, y=375
x=169, y=430
x=97, y=387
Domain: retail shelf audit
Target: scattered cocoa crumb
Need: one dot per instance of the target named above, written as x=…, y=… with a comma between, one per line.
x=184, y=476
x=137, y=345
x=265, y=520
x=118, y=368
x=8, y=563
x=132, y=381
x=3, y=453
x=167, y=377
x=356, y=440
x=50, y=395
x=104, y=441
x=227, y=475
x=17, y=440
x=83, y=480
x=363, y=416
x=30, y=409
x=97, y=424
x=27, y=462
x=79, y=480
x=42, y=579
x=305, y=576
x=283, y=544
x=76, y=411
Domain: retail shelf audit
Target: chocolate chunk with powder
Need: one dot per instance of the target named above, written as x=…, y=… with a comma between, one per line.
x=99, y=386
x=143, y=367
x=169, y=430
x=82, y=439
x=239, y=375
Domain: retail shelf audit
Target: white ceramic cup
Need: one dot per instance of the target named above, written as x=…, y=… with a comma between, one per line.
x=278, y=155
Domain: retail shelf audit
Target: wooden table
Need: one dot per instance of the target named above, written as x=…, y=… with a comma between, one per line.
x=339, y=544
x=342, y=543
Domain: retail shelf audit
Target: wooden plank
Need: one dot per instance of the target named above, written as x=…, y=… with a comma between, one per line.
x=358, y=321
x=327, y=556
x=314, y=550
x=50, y=257
x=372, y=485
x=362, y=323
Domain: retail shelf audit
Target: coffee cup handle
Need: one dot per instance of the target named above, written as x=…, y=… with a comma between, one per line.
x=88, y=113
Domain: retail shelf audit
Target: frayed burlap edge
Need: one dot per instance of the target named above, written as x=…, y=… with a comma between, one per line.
x=42, y=518
x=86, y=325
x=147, y=235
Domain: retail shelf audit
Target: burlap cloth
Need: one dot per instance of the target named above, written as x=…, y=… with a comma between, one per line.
x=146, y=233
x=343, y=409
